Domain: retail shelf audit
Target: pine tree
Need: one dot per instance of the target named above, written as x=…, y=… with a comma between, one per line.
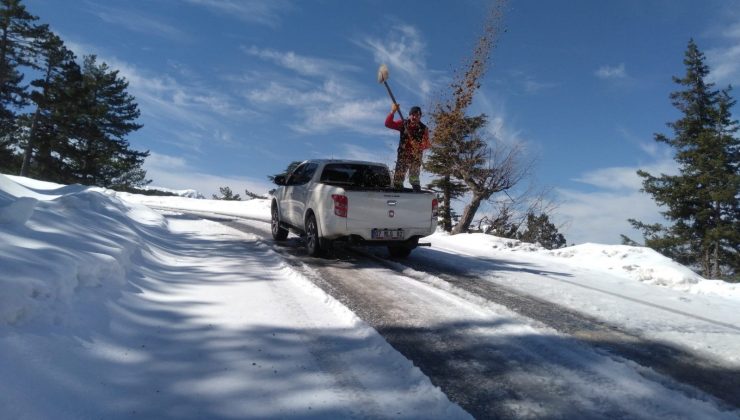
x=63, y=127
x=100, y=154
x=442, y=153
x=17, y=31
x=504, y=225
x=10, y=162
x=540, y=230
x=252, y=196
x=447, y=189
x=43, y=134
x=703, y=201
x=227, y=195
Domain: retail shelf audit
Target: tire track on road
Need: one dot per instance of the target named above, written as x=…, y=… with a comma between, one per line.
x=681, y=364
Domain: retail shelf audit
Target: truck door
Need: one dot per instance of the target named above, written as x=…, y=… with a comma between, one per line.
x=297, y=192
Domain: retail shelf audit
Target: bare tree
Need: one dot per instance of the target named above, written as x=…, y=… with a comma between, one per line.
x=509, y=213
x=485, y=171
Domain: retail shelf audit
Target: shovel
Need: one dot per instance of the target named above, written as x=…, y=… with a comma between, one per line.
x=383, y=78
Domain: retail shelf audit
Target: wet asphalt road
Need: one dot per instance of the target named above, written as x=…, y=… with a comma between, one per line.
x=473, y=370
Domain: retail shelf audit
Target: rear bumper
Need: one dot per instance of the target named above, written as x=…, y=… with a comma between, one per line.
x=337, y=228
x=341, y=233
x=411, y=242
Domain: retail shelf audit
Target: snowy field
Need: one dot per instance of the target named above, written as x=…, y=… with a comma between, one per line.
x=110, y=310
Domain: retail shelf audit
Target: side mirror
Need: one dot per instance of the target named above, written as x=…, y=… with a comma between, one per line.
x=279, y=180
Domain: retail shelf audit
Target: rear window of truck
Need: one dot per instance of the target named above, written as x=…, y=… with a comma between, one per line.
x=356, y=175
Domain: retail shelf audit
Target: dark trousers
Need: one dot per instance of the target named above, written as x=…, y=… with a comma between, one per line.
x=407, y=162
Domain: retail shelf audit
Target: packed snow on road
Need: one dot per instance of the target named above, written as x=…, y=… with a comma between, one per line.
x=112, y=309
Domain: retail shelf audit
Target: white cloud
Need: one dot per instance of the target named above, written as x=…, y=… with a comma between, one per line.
x=157, y=160
x=533, y=86
x=601, y=217
x=308, y=66
x=502, y=130
x=626, y=178
x=610, y=72
x=186, y=114
x=500, y=125
x=365, y=117
x=373, y=153
x=404, y=52
x=176, y=173
x=330, y=106
x=732, y=31
x=724, y=58
x=166, y=95
x=334, y=102
x=724, y=64
x=651, y=148
x=528, y=83
x=319, y=107
x=280, y=94
x=136, y=22
x=260, y=12
x=190, y=115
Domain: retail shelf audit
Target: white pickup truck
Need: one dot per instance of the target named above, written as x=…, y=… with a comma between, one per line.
x=352, y=201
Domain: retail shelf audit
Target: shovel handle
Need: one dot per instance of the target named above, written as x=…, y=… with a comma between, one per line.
x=393, y=98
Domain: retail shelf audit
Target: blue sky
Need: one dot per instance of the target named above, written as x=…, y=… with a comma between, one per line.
x=231, y=91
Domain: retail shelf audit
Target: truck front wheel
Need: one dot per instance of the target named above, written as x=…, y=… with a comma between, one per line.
x=279, y=233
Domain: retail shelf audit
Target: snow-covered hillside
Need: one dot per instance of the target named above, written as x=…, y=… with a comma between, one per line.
x=189, y=193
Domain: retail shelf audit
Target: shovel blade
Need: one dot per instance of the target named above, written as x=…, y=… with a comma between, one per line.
x=382, y=73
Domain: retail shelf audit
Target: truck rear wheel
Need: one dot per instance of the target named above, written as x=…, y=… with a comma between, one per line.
x=399, y=251
x=279, y=233
x=313, y=241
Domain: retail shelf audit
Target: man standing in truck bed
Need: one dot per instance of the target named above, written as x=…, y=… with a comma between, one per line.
x=414, y=140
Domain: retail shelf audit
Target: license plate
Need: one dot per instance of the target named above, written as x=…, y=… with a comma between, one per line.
x=387, y=234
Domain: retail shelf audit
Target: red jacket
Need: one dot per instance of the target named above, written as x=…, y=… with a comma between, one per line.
x=411, y=143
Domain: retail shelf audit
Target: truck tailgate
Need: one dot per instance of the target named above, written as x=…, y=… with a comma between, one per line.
x=388, y=210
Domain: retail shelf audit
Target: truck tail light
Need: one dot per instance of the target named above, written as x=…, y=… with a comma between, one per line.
x=435, y=208
x=341, y=204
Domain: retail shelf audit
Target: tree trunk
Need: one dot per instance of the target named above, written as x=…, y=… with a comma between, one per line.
x=706, y=263
x=715, y=262
x=3, y=56
x=468, y=214
x=446, y=202
x=34, y=124
x=29, y=147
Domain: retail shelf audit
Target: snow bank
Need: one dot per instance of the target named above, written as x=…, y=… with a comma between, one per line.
x=634, y=263
x=638, y=263
x=56, y=241
x=644, y=265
